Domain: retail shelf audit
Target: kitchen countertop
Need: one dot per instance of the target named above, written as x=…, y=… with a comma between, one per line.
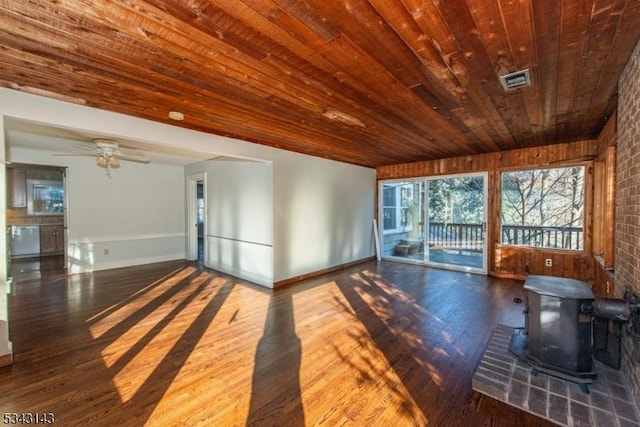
x=33, y=225
x=27, y=221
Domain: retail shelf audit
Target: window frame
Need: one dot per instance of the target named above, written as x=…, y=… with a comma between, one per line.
x=398, y=186
x=32, y=185
x=585, y=239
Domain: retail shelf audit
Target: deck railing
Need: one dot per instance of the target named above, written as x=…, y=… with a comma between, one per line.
x=570, y=238
x=455, y=236
x=469, y=236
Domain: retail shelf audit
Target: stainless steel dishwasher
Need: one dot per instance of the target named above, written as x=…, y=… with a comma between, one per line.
x=25, y=240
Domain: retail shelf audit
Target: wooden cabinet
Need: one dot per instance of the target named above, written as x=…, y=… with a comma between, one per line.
x=51, y=239
x=16, y=188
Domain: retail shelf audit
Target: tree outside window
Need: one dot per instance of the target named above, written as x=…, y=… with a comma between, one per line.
x=544, y=208
x=456, y=200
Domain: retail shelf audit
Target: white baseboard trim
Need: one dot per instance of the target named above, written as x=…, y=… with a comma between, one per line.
x=79, y=268
x=249, y=277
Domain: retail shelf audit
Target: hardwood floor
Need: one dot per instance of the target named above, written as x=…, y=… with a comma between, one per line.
x=175, y=344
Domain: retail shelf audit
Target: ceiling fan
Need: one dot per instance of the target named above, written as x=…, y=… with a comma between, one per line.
x=108, y=154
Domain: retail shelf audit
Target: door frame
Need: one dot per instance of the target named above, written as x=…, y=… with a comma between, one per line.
x=65, y=220
x=192, y=215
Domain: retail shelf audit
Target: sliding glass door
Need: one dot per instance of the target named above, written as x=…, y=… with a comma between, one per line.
x=436, y=221
x=457, y=222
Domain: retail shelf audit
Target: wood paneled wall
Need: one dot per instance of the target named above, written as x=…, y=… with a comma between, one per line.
x=547, y=155
x=603, y=280
x=604, y=210
x=604, y=195
x=510, y=261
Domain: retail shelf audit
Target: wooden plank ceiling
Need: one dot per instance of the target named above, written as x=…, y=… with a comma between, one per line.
x=369, y=82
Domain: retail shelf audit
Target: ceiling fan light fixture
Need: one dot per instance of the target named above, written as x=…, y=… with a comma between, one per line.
x=107, y=154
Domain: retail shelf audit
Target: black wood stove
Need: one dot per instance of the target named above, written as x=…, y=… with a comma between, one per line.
x=556, y=338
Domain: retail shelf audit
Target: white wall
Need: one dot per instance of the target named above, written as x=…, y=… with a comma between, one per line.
x=323, y=214
x=239, y=218
x=304, y=214
x=322, y=210
x=137, y=215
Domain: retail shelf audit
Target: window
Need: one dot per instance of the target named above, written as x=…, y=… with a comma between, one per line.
x=543, y=208
x=45, y=197
x=397, y=200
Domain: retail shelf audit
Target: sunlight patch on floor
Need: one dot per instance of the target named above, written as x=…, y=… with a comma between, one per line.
x=385, y=299
x=200, y=394
x=358, y=384
x=136, y=365
x=109, y=318
x=135, y=332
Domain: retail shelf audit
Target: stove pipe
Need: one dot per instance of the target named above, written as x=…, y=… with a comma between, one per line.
x=612, y=309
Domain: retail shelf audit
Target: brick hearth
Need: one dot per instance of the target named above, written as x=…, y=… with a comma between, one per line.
x=502, y=376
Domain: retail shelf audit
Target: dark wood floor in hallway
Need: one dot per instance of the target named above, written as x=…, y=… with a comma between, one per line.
x=173, y=344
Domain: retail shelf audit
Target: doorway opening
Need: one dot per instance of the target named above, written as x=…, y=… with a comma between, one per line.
x=200, y=219
x=36, y=214
x=197, y=218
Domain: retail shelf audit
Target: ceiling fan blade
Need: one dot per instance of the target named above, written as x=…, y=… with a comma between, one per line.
x=84, y=147
x=76, y=154
x=133, y=158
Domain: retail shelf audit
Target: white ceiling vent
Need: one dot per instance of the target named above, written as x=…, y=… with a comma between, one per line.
x=516, y=80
